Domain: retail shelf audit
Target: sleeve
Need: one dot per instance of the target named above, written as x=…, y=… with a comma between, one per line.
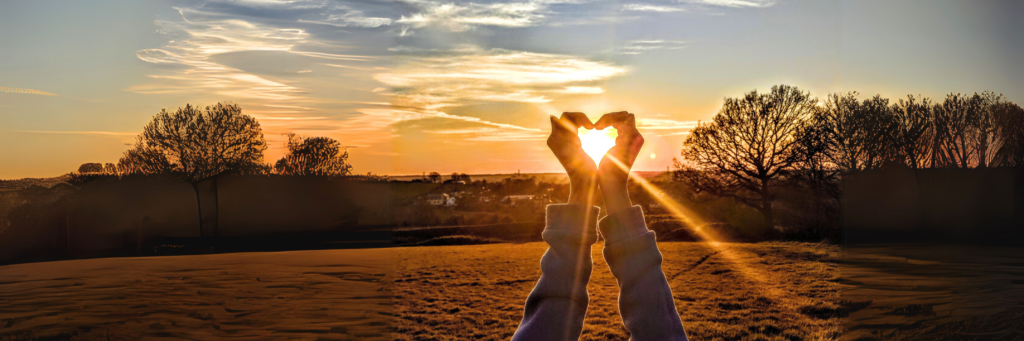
x=645, y=299
x=558, y=303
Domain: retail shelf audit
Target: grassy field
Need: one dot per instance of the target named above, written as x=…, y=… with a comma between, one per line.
x=764, y=291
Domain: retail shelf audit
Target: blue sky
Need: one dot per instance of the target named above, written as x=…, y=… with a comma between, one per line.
x=421, y=85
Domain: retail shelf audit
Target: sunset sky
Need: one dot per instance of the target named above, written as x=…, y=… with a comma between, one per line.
x=464, y=86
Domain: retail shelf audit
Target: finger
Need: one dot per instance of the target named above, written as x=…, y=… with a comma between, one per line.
x=615, y=120
x=577, y=119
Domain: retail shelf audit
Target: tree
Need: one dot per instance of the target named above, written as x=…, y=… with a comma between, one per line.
x=858, y=135
x=434, y=176
x=913, y=131
x=955, y=121
x=844, y=131
x=460, y=177
x=1009, y=119
x=751, y=143
x=880, y=124
x=321, y=156
x=198, y=143
x=90, y=168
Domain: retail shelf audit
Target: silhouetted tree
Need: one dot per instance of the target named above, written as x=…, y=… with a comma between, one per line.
x=880, y=125
x=912, y=138
x=321, y=156
x=434, y=176
x=955, y=121
x=844, y=131
x=858, y=135
x=90, y=168
x=1009, y=119
x=748, y=146
x=198, y=143
x=461, y=177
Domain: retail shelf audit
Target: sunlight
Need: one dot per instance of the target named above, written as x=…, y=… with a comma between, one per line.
x=696, y=225
x=597, y=142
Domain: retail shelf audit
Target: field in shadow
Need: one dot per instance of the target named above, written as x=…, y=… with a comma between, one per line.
x=933, y=292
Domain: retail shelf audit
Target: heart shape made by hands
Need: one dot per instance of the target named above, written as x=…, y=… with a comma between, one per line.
x=597, y=142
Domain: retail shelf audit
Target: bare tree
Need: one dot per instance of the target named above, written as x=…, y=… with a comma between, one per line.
x=1009, y=118
x=198, y=143
x=845, y=131
x=322, y=156
x=985, y=130
x=913, y=131
x=748, y=146
x=879, y=124
x=434, y=176
x=955, y=121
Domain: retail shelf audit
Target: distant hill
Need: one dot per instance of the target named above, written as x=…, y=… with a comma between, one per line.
x=18, y=184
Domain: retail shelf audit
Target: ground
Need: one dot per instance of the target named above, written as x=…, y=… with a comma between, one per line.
x=763, y=291
x=768, y=291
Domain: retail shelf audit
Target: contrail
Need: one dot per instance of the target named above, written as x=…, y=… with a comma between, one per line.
x=25, y=91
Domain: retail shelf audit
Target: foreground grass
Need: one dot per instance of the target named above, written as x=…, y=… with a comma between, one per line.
x=764, y=291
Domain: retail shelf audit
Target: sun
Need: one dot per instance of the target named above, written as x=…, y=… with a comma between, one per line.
x=597, y=142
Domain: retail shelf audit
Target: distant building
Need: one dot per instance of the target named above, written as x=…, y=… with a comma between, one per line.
x=441, y=199
x=437, y=199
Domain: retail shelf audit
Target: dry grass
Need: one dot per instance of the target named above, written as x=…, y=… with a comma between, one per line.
x=765, y=291
x=470, y=292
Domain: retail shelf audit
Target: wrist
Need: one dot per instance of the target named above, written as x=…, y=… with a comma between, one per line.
x=582, y=192
x=616, y=198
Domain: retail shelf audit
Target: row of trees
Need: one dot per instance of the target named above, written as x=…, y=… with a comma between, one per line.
x=199, y=143
x=760, y=143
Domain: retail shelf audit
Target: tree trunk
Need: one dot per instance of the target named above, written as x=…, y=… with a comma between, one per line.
x=766, y=204
x=206, y=198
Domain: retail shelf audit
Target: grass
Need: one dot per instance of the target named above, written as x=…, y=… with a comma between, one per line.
x=761, y=291
x=788, y=291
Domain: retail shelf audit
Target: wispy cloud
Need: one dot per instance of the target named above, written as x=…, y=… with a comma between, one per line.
x=463, y=16
x=652, y=8
x=656, y=123
x=108, y=133
x=641, y=46
x=25, y=91
x=492, y=134
x=435, y=81
x=735, y=3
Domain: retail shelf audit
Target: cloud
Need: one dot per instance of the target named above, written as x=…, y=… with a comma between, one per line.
x=197, y=41
x=492, y=134
x=106, y=133
x=735, y=3
x=437, y=80
x=641, y=46
x=25, y=91
x=322, y=12
x=461, y=17
x=655, y=123
x=652, y=8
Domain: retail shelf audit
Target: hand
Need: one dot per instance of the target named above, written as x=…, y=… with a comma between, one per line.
x=613, y=172
x=565, y=144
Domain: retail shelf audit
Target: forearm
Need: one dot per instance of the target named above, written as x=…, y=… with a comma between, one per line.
x=645, y=298
x=558, y=303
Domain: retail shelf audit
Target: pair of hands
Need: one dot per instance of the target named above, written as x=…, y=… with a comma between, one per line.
x=611, y=174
